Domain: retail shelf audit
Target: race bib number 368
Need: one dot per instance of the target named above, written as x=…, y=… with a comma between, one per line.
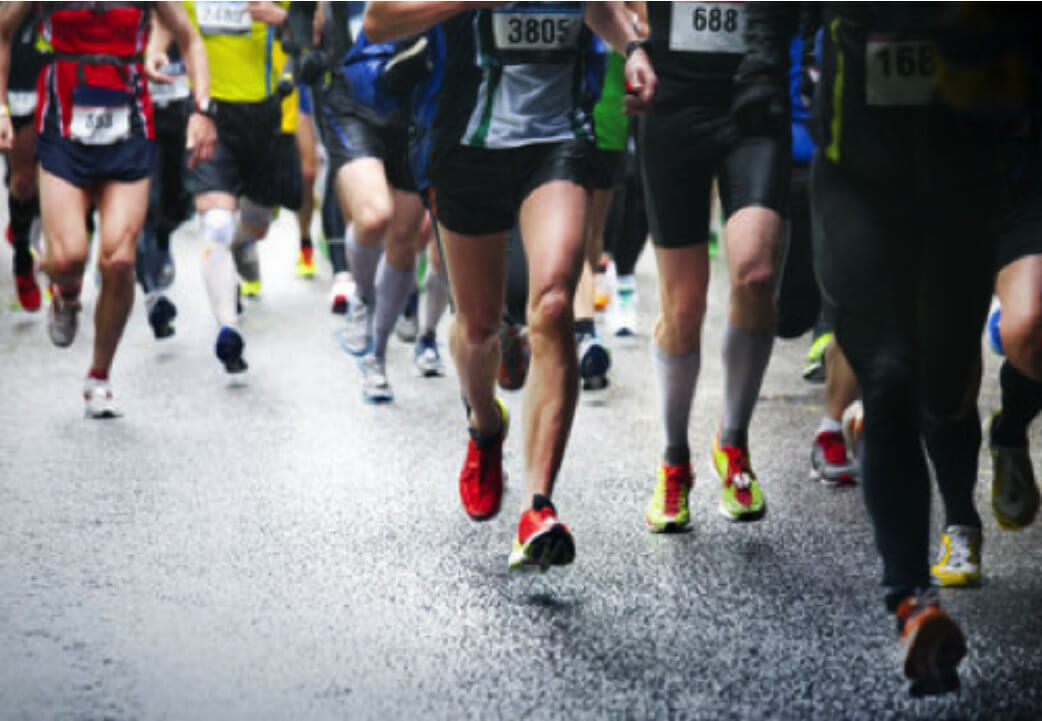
x=223, y=18
x=899, y=72
x=707, y=27
x=536, y=31
x=94, y=125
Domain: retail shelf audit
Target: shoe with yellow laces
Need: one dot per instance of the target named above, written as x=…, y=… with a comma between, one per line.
x=959, y=559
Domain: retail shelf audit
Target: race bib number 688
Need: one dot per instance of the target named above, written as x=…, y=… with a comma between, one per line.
x=707, y=27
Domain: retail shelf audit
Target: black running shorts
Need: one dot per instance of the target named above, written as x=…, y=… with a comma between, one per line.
x=684, y=149
x=476, y=191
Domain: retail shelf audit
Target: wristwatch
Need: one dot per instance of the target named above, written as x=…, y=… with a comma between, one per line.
x=206, y=106
x=633, y=45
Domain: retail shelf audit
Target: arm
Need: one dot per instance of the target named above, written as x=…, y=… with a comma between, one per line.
x=394, y=20
x=202, y=133
x=11, y=17
x=156, y=54
x=268, y=12
x=612, y=21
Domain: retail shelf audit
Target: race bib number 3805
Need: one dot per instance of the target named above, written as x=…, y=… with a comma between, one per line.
x=713, y=27
x=223, y=18
x=899, y=72
x=513, y=30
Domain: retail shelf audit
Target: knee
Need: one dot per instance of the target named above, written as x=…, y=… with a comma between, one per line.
x=682, y=320
x=1022, y=340
x=218, y=226
x=255, y=219
x=23, y=184
x=372, y=219
x=118, y=265
x=888, y=390
x=755, y=280
x=60, y=263
x=476, y=330
x=550, y=312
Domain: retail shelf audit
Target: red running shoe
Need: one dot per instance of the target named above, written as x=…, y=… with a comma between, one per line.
x=29, y=295
x=481, y=480
x=542, y=540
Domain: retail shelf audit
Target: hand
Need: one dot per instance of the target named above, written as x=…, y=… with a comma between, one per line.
x=641, y=83
x=6, y=133
x=202, y=138
x=155, y=62
x=267, y=12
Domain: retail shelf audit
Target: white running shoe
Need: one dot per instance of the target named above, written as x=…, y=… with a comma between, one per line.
x=340, y=294
x=98, y=396
x=622, y=312
x=358, y=333
x=62, y=320
x=375, y=387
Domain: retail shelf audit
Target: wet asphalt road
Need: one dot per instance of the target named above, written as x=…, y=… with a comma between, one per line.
x=280, y=550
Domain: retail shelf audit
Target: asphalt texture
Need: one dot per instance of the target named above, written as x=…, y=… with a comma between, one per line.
x=278, y=549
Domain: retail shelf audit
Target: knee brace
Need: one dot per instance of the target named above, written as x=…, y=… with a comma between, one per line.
x=219, y=226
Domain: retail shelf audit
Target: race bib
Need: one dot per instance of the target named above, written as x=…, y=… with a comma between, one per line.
x=899, y=72
x=707, y=27
x=21, y=102
x=540, y=31
x=166, y=93
x=99, y=116
x=223, y=18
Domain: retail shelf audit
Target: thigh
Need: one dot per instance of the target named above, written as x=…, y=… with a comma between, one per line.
x=363, y=190
x=476, y=266
x=63, y=207
x=677, y=171
x=553, y=226
x=121, y=208
x=756, y=171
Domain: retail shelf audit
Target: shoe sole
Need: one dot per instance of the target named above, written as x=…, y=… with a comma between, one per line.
x=595, y=363
x=844, y=481
x=104, y=414
x=667, y=528
x=952, y=583
x=595, y=383
x=933, y=658
x=552, y=547
x=429, y=372
x=341, y=339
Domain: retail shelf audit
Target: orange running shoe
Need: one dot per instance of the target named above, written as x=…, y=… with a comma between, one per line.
x=481, y=480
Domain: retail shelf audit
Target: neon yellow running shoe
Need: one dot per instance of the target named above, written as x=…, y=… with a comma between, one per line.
x=958, y=561
x=814, y=363
x=741, y=498
x=250, y=288
x=668, y=509
x=306, y=263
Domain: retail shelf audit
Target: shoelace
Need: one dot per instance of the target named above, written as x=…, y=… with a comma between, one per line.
x=959, y=550
x=737, y=469
x=833, y=447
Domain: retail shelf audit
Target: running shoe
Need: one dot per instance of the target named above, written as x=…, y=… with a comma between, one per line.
x=829, y=462
x=994, y=334
x=97, y=394
x=29, y=295
x=161, y=313
x=931, y=643
x=814, y=363
x=1014, y=492
x=741, y=498
x=358, y=333
x=481, y=479
x=426, y=357
x=853, y=423
x=541, y=539
x=375, y=387
x=594, y=362
x=514, y=356
x=250, y=289
x=229, y=349
x=340, y=295
x=407, y=327
x=622, y=313
x=62, y=320
x=959, y=559
x=668, y=510
x=306, y=263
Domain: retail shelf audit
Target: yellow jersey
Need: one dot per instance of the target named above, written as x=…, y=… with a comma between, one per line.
x=239, y=50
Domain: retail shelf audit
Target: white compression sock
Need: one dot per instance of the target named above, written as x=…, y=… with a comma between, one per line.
x=218, y=226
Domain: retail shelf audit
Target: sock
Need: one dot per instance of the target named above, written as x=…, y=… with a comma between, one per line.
x=364, y=260
x=337, y=255
x=745, y=356
x=677, y=376
x=585, y=326
x=98, y=374
x=435, y=300
x=539, y=502
x=953, y=447
x=21, y=214
x=218, y=266
x=829, y=425
x=1021, y=402
x=393, y=287
x=305, y=243
x=245, y=255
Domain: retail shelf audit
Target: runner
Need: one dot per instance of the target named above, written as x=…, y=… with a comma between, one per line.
x=95, y=143
x=690, y=138
x=509, y=138
x=243, y=174
x=908, y=192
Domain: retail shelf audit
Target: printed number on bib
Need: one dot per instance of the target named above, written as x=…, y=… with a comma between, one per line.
x=99, y=116
x=536, y=31
x=21, y=102
x=223, y=18
x=899, y=72
x=707, y=28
